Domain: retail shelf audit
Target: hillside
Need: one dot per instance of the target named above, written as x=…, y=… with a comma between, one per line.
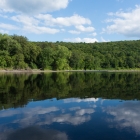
x=17, y=52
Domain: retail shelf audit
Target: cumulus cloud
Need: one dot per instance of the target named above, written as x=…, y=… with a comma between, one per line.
x=8, y=26
x=33, y=6
x=84, y=29
x=45, y=23
x=3, y=16
x=74, y=32
x=126, y=115
x=93, y=34
x=32, y=25
x=30, y=16
x=103, y=40
x=25, y=20
x=4, y=31
x=63, y=21
x=40, y=29
x=125, y=23
x=78, y=39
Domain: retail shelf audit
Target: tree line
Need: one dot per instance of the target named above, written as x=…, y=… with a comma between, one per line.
x=17, y=52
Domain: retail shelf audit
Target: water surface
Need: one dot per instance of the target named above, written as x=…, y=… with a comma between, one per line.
x=70, y=106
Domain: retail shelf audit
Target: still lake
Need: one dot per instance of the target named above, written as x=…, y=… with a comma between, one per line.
x=70, y=106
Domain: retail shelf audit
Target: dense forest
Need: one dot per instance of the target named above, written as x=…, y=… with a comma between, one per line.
x=16, y=90
x=17, y=52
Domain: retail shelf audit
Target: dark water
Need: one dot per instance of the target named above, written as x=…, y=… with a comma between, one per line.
x=70, y=106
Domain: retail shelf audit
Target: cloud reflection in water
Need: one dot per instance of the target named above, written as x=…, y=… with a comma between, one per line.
x=126, y=115
x=35, y=133
x=39, y=116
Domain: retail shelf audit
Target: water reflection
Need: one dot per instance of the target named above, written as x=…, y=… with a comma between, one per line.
x=125, y=115
x=70, y=106
x=19, y=90
x=46, y=116
x=42, y=119
x=35, y=133
x=80, y=100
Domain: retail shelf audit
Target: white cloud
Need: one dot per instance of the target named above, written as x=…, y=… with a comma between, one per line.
x=32, y=25
x=63, y=30
x=43, y=23
x=40, y=30
x=4, y=6
x=84, y=29
x=25, y=20
x=8, y=26
x=93, y=34
x=63, y=21
x=74, y=32
x=33, y=6
x=125, y=23
x=3, y=31
x=3, y=16
x=86, y=40
x=40, y=22
x=103, y=40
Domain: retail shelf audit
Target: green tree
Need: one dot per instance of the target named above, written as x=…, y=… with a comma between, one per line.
x=89, y=62
x=60, y=58
x=45, y=58
x=77, y=59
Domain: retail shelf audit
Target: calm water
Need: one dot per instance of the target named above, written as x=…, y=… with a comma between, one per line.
x=70, y=106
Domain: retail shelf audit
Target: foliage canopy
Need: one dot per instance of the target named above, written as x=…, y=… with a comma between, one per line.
x=18, y=53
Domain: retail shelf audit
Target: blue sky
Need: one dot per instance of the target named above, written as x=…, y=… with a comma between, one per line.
x=71, y=20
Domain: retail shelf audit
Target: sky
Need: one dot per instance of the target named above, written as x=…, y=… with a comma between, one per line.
x=71, y=20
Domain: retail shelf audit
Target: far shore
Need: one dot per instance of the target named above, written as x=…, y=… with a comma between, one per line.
x=47, y=71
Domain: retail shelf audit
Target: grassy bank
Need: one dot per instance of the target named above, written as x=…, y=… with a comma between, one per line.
x=45, y=71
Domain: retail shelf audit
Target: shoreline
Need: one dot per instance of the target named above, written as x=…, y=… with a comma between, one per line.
x=49, y=71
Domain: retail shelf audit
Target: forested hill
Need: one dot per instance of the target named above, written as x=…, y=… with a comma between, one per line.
x=17, y=52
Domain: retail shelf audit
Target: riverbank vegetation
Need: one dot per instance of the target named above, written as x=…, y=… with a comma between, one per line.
x=17, y=52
